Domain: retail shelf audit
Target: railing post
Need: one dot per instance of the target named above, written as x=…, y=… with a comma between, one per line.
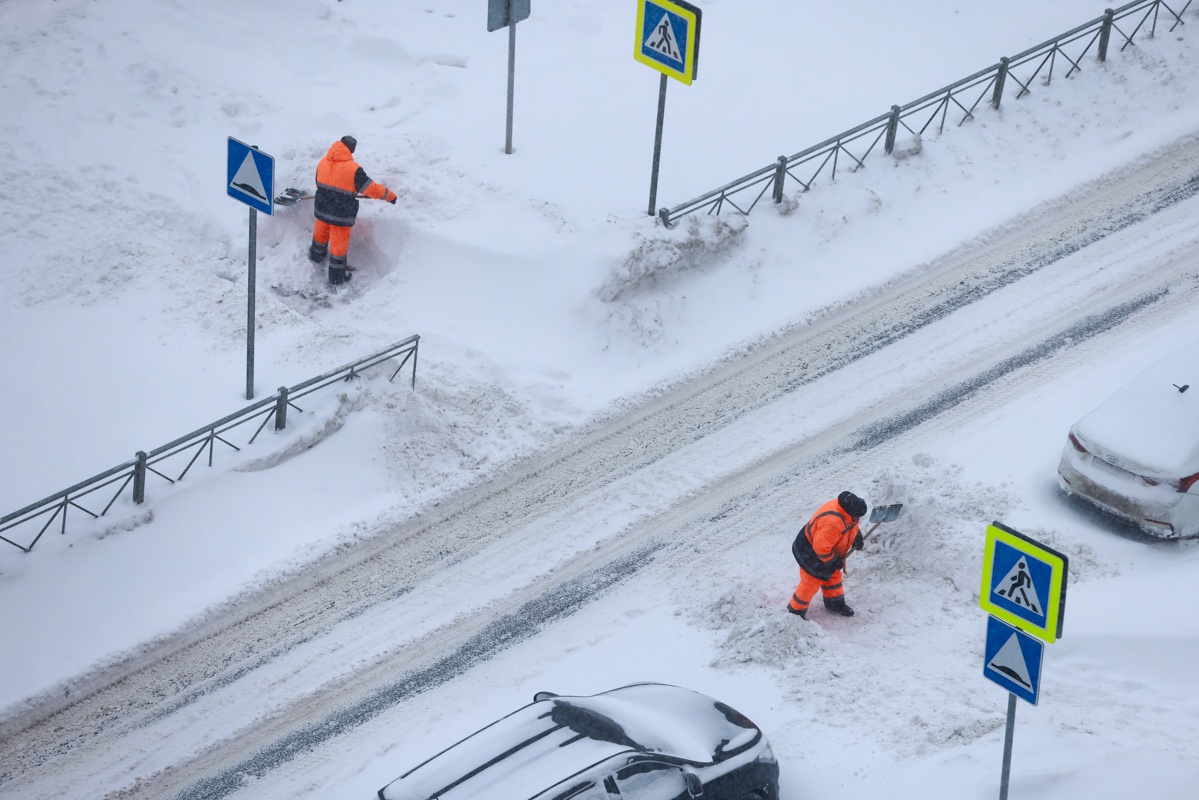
x=281, y=409
x=780, y=175
x=1105, y=33
x=139, y=479
x=1000, y=77
x=892, y=129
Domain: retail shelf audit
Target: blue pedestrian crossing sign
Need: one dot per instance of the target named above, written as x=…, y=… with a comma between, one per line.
x=250, y=176
x=668, y=37
x=1013, y=659
x=1024, y=583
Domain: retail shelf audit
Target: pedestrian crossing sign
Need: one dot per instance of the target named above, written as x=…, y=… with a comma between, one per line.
x=1024, y=582
x=668, y=37
x=1013, y=659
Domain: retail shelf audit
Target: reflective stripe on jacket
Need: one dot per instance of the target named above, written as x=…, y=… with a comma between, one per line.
x=830, y=532
x=339, y=180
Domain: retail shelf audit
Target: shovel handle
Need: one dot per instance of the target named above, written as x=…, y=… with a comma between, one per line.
x=865, y=536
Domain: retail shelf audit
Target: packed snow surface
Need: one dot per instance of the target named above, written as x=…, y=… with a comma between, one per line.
x=616, y=428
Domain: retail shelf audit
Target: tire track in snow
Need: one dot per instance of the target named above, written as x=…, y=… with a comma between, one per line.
x=524, y=623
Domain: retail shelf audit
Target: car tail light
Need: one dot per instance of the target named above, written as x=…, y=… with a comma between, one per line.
x=1077, y=444
x=1186, y=483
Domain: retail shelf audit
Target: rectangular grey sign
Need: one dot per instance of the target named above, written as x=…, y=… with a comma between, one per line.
x=502, y=13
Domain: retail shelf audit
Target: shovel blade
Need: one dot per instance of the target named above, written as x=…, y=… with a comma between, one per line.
x=289, y=197
x=885, y=513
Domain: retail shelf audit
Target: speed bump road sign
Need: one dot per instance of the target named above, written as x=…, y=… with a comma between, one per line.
x=250, y=176
x=1013, y=659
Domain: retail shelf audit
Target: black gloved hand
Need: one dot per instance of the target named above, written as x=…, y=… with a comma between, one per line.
x=392, y=200
x=858, y=542
x=835, y=563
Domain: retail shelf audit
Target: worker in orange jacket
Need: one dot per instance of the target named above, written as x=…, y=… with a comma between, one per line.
x=339, y=183
x=821, y=548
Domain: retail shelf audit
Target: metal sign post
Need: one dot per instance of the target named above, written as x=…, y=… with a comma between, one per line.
x=250, y=176
x=653, y=176
x=251, y=282
x=667, y=41
x=1008, y=734
x=1024, y=588
x=505, y=14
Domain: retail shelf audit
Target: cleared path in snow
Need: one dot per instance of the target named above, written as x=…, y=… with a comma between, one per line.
x=359, y=635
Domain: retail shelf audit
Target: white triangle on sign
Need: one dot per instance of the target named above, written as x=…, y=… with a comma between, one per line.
x=1010, y=661
x=662, y=40
x=247, y=178
x=1018, y=588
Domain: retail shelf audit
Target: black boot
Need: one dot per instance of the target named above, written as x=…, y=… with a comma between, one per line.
x=317, y=252
x=339, y=272
x=797, y=612
x=837, y=606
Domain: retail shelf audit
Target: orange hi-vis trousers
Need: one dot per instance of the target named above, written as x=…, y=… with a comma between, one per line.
x=336, y=236
x=808, y=585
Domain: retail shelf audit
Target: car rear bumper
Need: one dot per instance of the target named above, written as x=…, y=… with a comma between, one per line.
x=1157, y=510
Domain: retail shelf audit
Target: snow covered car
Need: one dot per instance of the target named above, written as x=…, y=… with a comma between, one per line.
x=1137, y=455
x=647, y=741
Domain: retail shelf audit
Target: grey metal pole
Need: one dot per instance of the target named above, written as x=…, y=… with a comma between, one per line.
x=653, y=180
x=1000, y=78
x=1105, y=33
x=511, y=77
x=250, y=305
x=1007, y=745
x=780, y=175
x=281, y=409
x=139, y=478
x=892, y=130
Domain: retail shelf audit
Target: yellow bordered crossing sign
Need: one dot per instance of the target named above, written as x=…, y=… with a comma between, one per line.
x=1024, y=582
x=668, y=37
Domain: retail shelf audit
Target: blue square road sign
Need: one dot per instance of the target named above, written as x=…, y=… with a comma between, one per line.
x=1024, y=582
x=250, y=176
x=1013, y=659
x=668, y=37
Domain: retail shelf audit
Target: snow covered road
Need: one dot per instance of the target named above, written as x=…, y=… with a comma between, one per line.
x=724, y=465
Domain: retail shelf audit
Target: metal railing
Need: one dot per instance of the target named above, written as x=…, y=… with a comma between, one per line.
x=958, y=101
x=132, y=474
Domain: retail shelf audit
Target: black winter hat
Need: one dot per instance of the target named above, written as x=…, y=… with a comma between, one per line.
x=350, y=142
x=853, y=505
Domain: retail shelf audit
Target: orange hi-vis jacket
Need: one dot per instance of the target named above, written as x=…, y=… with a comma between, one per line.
x=830, y=532
x=339, y=181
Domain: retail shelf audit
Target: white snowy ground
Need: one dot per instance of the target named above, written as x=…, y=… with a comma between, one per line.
x=123, y=326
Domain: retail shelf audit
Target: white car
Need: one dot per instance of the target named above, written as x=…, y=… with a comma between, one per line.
x=1137, y=455
x=648, y=741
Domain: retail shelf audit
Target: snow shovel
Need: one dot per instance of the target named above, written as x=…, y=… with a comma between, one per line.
x=879, y=515
x=291, y=196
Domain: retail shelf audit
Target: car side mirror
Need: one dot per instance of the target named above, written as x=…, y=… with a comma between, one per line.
x=695, y=787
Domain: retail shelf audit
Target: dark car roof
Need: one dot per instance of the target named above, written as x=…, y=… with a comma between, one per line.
x=550, y=741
